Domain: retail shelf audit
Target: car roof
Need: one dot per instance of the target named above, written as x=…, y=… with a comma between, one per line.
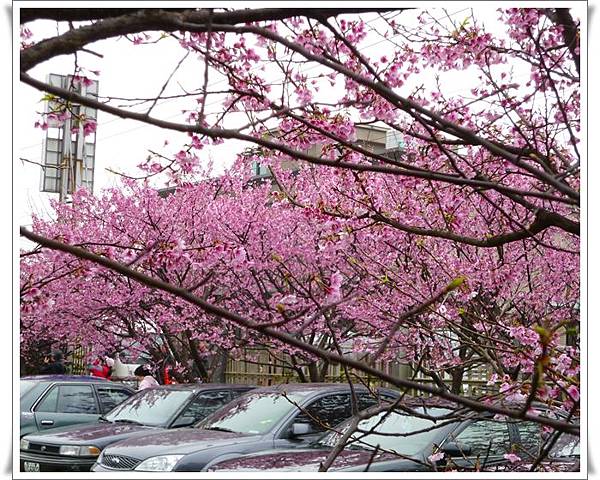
x=429, y=402
x=314, y=387
x=197, y=387
x=66, y=378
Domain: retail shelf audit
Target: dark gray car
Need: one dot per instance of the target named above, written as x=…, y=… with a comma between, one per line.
x=50, y=401
x=76, y=448
x=433, y=438
x=284, y=416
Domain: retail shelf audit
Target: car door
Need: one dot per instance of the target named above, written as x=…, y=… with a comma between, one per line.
x=485, y=443
x=110, y=396
x=66, y=404
x=320, y=414
x=203, y=404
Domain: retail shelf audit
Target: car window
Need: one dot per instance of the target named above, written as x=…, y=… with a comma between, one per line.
x=397, y=431
x=486, y=438
x=206, y=403
x=110, y=397
x=76, y=399
x=237, y=393
x=530, y=437
x=326, y=412
x=567, y=446
x=154, y=406
x=48, y=403
x=366, y=399
x=253, y=413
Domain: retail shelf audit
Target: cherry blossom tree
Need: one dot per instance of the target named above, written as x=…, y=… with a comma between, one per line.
x=457, y=250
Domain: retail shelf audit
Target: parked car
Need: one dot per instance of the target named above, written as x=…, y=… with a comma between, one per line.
x=563, y=457
x=153, y=409
x=49, y=401
x=462, y=442
x=283, y=416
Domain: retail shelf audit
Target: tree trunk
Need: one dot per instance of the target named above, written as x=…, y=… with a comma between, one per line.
x=324, y=369
x=298, y=369
x=313, y=372
x=457, y=380
x=317, y=373
x=218, y=367
x=198, y=363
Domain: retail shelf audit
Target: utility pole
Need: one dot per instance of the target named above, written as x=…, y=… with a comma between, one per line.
x=66, y=164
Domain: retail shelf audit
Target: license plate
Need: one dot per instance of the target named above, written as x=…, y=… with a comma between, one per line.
x=31, y=466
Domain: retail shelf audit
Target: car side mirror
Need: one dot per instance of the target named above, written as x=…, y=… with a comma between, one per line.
x=184, y=422
x=456, y=449
x=299, y=429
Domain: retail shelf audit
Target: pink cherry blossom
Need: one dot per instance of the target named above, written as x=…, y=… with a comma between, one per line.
x=512, y=458
x=435, y=457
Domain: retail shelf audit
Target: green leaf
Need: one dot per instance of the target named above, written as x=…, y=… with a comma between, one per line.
x=457, y=282
x=543, y=333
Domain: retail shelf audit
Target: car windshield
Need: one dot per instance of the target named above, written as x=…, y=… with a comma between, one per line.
x=26, y=385
x=151, y=407
x=385, y=424
x=253, y=414
x=566, y=446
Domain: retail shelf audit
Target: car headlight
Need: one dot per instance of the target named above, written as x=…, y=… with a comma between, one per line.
x=24, y=445
x=162, y=463
x=77, y=451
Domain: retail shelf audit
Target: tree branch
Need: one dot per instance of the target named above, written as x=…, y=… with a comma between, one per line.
x=139, y=20
x=543, y=220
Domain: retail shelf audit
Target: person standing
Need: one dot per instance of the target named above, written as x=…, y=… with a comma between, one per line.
x=53, y=364
x=101, y=368
x=144, y=377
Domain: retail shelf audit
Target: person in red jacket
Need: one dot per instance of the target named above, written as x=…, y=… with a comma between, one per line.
x=100, y=369
x=166, y=376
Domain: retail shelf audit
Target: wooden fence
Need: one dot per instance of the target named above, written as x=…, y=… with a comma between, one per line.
x=75, y=360
x=261, y=368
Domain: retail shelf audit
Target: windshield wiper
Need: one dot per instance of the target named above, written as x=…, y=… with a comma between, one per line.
x=355, y=446
x=104, y=419
x=220, y=429
x=126, y=420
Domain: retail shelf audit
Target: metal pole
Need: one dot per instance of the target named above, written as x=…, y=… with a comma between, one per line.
x=66, y=163
x=78, y=163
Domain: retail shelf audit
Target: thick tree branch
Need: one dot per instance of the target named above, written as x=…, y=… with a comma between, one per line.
x=76, y=14
x=562, y=16
x=140, y=20
x=543, y=220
